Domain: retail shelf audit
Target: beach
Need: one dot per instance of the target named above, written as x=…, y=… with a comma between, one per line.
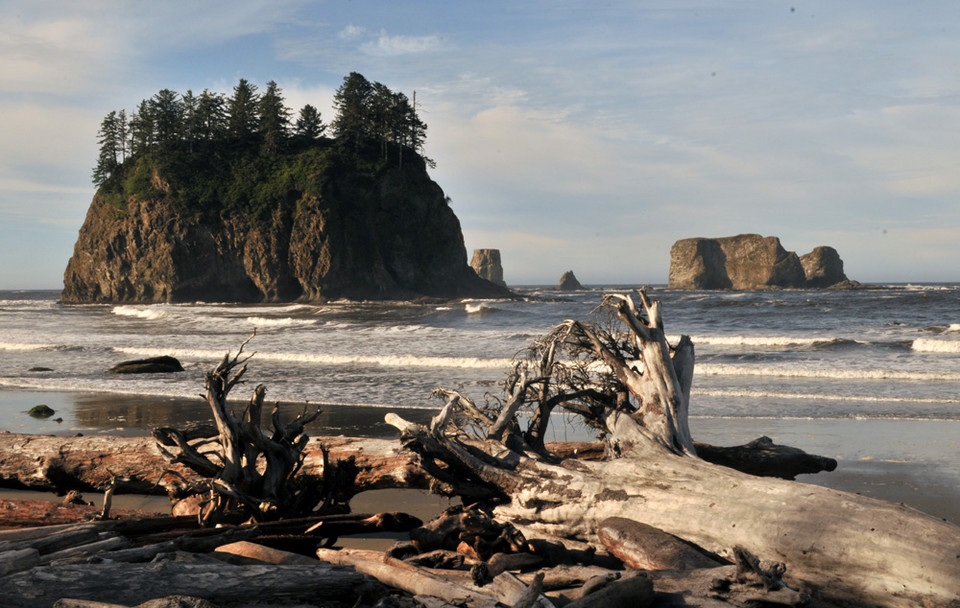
x=914, y=462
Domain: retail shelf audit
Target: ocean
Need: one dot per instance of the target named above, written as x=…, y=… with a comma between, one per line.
x=867, y=375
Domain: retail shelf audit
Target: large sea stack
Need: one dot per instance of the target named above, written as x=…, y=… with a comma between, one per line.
x=309, y=224
x=750, y=261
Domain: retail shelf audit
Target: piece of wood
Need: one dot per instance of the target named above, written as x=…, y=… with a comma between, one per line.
x=111, y=543
x=397, y=574
x=16, y=560
x=60, y=464
x=264, y=554
x=628, y=592
x=764, y=458
x=16, y=514
x=644, y=547
x=132, y=584
x=633, y=385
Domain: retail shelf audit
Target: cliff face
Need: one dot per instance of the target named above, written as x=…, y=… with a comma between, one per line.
x=749, y=261
x=392, y=237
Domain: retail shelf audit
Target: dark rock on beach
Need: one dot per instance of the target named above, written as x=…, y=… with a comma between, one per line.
x=152, y=365
x=41, y=411
x=750, y=261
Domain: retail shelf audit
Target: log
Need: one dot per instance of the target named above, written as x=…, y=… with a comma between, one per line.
x=628, y=592
x=16, y=560
x=629, y=382
x=267, y=555
x=132, y=584
x=397, y=574
x=60, y=464
x=644, y=547
x=764, y=458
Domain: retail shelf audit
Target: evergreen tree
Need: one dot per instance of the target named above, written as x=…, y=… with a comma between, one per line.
x=274, y=119
x=353, y=121
x=168, y=120
x=189, y=132
x=142, y=130
x=211, y=116
x=309, y=125
x=112, y=146
x=242, y=110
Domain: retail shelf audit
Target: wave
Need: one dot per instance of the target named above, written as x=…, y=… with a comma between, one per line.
x=738, y=340
x=140, y=312
x=24, y=347
x=479, y=309
x=929, y=345
x=331, y=359
x=712, y=369
x=753, y=394
x=280, y=322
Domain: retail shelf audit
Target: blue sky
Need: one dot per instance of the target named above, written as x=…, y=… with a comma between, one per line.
x=570, y=135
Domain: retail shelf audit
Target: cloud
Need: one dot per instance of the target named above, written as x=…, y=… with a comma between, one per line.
x=392, y=46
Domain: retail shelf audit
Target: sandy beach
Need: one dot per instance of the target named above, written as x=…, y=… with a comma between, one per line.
x=914, y=462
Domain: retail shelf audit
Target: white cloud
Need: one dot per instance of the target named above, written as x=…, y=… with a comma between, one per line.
x=352, y=32
x=390, y=46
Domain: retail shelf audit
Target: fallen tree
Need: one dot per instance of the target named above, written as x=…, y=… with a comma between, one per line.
x=625, y=379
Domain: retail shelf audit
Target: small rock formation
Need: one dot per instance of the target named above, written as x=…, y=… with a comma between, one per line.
x=152, y=365
x=41, y=411
x=486, y=263
x=823, y=267
x=569, y=282
x=750, y=261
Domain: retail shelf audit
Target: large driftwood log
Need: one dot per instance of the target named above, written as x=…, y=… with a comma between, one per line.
x=89, y=464
x=132, y=584
x=634, y=386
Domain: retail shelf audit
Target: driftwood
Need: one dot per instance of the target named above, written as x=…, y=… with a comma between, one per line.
x=631, y=384
x=243, y=467
x=644, y=547
x=131, y=584
x=88, y=464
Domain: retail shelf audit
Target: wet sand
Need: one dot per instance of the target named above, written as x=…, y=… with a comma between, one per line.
x=915, y=462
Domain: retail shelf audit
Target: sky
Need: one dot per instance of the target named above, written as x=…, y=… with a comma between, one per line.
x=584, y=136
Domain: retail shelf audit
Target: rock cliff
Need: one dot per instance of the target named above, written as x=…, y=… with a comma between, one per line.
x=486, y=263
x=387, y=233
x=750, y=261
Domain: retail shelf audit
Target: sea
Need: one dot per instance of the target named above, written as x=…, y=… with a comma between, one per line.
x=869, y=375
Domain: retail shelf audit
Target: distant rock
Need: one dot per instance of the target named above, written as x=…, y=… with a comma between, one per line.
x=40, y=369
x=750, y=261
x=486, y=263
x=569, y=282
x=823, y=267
x=152, y=365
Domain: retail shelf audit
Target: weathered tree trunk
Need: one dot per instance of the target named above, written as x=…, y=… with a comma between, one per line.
x=837, y=546
x=89, y=463
x=132, y=584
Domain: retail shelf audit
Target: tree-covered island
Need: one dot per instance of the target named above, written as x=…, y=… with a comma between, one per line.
x=221, y=197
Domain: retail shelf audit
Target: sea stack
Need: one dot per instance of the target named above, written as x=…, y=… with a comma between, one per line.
x=569, y=282
x=151, y=235
x=486, y=263
x=750, y=261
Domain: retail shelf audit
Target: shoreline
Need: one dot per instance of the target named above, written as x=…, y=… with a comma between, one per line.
x=914, y=462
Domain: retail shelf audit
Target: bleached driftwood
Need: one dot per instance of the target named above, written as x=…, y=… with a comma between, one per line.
x=634, y=386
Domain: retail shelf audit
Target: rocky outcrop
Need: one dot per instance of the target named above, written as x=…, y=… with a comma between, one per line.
x=388, y=236
x=823, y=267
x=152, y=365
x=486, y=263
x=749, y=261
x=569, y=282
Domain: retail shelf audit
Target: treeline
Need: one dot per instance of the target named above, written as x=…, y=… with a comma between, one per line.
x=367, y=113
